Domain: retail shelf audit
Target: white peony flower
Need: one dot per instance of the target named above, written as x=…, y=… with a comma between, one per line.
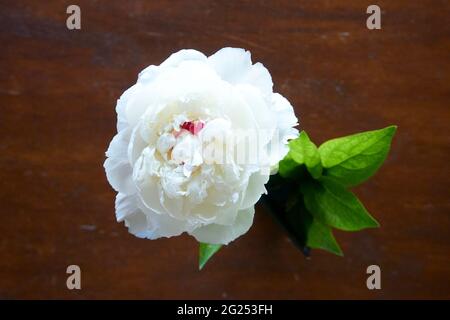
x=196, y=138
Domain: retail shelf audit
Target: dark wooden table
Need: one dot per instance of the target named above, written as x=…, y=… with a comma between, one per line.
x=57, y=97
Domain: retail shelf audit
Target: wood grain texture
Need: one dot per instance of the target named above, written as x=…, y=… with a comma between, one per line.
x=57, y=97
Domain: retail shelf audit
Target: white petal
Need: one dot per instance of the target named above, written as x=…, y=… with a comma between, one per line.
x=137, y=224
x=261, y=111
x=165, y=142
x=119, y=175
x=172, y=91
x=148, y=74
x=136, y=145
x=234, y=65
x=285, y=120
x=183, y=55
x=151, y=72
x=258, y=76
x=208, y=212
x=237, y=111
x=255, y=189
x=197, y=189
x=286, y=117
x=149, y=195
x=119, y=144
x=163, y=225
x=137, y=105
x=231, y=63
x=118, y=169
x=145, y=223
x=187, y=150
x=166, y=226
x=126, y=205
x=220, y=234
x=122, y=102
x=173, y=182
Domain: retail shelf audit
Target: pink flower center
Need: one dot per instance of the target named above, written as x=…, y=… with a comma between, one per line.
x=193, y=127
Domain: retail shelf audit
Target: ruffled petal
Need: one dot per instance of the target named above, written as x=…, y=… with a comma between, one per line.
x=255, y=188
x=183, y=55
x=138, y=225
x=261, y=111
x=136, y=145
x=118, y=169
x=221, y=234
x=126, y=205
x=145, y=223
x=231, y=63
x=174, y=89
x=234, y=65
x=119, y=175
x=163, y=225
x=260, y=77
x=151, y=72
x=121, y=105
x=285, y=121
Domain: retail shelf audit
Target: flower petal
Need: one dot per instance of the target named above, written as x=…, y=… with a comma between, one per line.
x=261, y=111
x=221, y=234
x=234, y=65
x=119, y=175
x=136, y=144
x=118, y=169
x=138, y=225
x=151, y=72
x=255, y=189
x=259, y=76
x=183, y=55
x=163, y=225
x=121, y=105
x=285, y=121
x=126, y=205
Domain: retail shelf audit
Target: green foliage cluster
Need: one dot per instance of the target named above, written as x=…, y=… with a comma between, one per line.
x=315, y=183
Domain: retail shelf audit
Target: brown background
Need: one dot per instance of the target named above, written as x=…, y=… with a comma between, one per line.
x=58, y=90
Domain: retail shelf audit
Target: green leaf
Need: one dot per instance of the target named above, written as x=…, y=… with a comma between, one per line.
x=320, y=236
x=305, y=230
x=287, y=167
x=335, y=206
x=206, y=251
x=303, y=151
x=353, y=159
